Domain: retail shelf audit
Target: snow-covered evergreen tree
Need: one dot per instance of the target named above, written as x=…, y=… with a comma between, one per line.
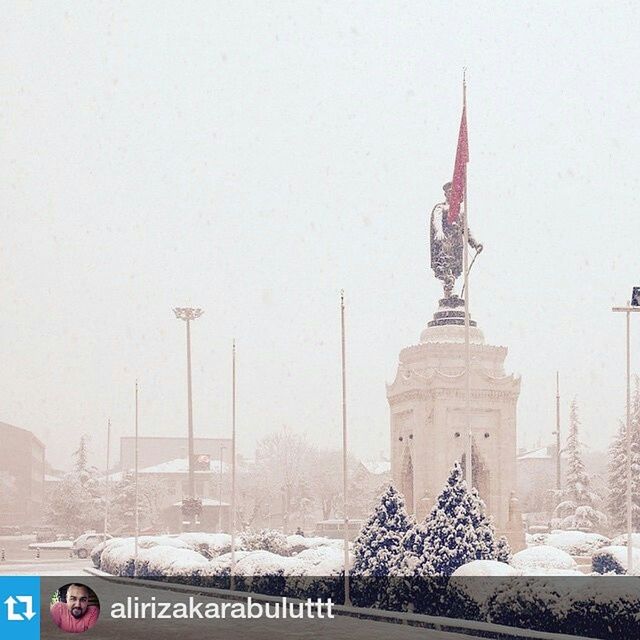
x=378, y=548
x=577, y=487
x=617, y=496
x=579, y=504
x=456, y=531
x=77, y=504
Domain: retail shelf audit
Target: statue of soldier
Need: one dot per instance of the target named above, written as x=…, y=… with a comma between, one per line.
x=447, y=241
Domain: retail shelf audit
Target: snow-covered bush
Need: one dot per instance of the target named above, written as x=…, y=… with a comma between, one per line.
x=542, y=557
x=614, y=560
x=621, y=541
x=297, y=543
x=117, y=559
x=209, y=545
x=96, y=552
x=576, y=543
x=531, y=603
x=485, y=568
x=265, y=540
x=603, y=608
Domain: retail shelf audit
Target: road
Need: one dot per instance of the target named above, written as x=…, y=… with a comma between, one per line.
x=20, y=560
x=51, y=566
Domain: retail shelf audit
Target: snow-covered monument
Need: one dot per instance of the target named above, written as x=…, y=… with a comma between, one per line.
x=428, y=401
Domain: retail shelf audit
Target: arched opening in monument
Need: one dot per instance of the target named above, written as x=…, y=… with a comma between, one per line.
x=406, y=481
x=479, y=472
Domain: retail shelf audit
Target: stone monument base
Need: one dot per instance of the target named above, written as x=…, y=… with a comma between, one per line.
x=427, y=402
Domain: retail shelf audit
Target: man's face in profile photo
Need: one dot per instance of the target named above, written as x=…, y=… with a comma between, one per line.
x=77, y=600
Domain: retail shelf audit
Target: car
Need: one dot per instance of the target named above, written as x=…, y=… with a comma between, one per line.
x=335, y=528
x=83, y=545
x=45, y=533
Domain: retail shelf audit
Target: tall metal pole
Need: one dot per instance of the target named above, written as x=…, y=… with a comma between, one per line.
x=137, y=511
x=192, y=477
x=233, y=465
x=107, y=495
x=629, y=453
x=467, y=345
x=220, y=493
x=347, y=598
x=627, y=310
x=558, y=459
x=188, y=314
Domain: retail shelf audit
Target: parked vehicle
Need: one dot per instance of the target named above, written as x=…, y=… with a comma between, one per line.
x=335, y=528
x=45, y=533
x=84, y=545
x=10, y=530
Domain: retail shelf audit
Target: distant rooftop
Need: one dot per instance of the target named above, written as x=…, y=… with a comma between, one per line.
x=177, y=466
x=206, y=502
x=377, y=467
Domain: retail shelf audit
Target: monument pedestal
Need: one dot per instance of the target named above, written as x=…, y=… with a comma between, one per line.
x=427, y=403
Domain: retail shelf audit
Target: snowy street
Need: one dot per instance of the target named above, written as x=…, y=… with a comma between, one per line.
x=52, y=566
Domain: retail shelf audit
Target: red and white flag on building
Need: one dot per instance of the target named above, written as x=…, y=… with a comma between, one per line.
x=459, y=182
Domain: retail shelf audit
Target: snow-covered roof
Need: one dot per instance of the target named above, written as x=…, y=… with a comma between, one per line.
x=377, y=467
x=181, y=465
x=536, y=454
x=50, y=478
x=207, y=502
x=177, y=466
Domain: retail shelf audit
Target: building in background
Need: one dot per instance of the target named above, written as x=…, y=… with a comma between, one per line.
x=21, y=477
x=170, y=481
x=154, y=450
x=537, y=482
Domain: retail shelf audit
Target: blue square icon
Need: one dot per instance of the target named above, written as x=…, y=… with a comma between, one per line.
x=20, y=607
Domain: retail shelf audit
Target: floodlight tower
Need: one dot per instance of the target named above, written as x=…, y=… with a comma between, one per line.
x=188, y=314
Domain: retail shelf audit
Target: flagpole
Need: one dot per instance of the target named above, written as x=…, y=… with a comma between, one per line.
x=107, y=487
x=137, y=515
x=233, y=466
x=347, y=599
x=467, y=346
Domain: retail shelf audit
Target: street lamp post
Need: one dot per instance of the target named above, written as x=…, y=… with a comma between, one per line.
x=188, y=314
x=630, y=308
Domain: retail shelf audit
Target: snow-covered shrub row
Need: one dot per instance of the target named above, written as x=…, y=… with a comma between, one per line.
x=215, y=545
x=528, y=603
x=613, y=559
x=265, y=540
x=621, y=541
x=542, y=557
x=575, y=543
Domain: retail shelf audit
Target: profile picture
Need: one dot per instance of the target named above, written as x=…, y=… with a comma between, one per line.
x=75, y=607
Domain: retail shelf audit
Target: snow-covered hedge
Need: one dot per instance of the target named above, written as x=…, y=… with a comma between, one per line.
x=621, y=541
x=528, y=603
x=485, y=568
x=265, y=540
x=542, y=558
x=603, y=608
x=575, y=543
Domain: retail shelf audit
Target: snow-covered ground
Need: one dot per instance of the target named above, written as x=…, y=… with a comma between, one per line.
x=59, y=544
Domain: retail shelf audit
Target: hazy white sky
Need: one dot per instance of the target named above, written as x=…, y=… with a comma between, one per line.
x=254, y=158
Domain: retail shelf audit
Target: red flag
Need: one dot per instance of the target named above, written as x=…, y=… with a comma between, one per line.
x=459, y=182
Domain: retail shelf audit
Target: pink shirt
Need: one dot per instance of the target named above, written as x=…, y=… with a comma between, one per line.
x=63, y=618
